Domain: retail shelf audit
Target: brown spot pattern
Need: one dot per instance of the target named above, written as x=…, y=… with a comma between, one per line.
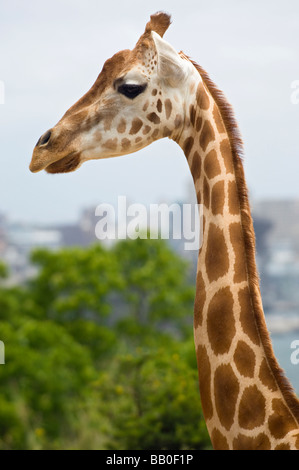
x=196, y=166
x=211, y=165
x=260, y=442
x=166, y=132
x=218, y=440
x=110, y=144
x=244, y=359
x=227, y=155
x=155, y=133
x=153, y=117
x=218, y=119
x=247, y=316
x=283, y=447
x=192, y=112
x=198, y=123
x=168, y=108
x=237, y=241
x=207, y=135
x=187, y=146
x=202, y=97
x=206, y=193
x=233, y=198
x=146, y=130
x=159, y=106
x=226, y=389
x=125, y=144
x=200, y=299
x=220, y=321
x=217, y=198
x=178, y=120
x=217, y=261
x=252, y=408
x=146, y=104
x=266, y=376
x=204, y=369
x=108, y=121
x=281, y=421
x=121, y=128
x=136, y=126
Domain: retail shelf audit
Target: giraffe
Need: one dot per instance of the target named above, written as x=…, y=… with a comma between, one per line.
x=149, y=93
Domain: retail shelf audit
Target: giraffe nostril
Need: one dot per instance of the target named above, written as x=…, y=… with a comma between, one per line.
x=44, y=139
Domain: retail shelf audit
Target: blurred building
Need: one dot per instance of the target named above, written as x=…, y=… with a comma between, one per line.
x=279, y=264
x=276, y=226
x=18, y=240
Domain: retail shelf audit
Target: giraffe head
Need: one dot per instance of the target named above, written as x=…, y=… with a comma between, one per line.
x=136, y=99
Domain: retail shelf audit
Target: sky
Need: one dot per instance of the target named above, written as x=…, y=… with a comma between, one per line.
x=52, y=51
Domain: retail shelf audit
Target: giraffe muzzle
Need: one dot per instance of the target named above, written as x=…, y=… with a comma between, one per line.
x=47, y=154
x=65, y=164
x=41, y=154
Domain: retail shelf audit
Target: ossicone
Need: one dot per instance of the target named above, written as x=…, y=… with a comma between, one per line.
x=159, y=23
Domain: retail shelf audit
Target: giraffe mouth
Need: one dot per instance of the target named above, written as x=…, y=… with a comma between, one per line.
x=67, y=164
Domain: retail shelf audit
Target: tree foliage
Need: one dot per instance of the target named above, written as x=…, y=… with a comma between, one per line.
x=99, y=353
x=156, y=393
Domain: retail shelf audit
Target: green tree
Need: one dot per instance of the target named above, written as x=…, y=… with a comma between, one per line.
x=152, y=402
x=75, y=287
x=98, y=352
x=3, y=271
x=75, y=283
x=157, y=291
x=43, y=382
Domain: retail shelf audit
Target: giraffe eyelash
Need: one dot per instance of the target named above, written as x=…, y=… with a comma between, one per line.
x=131, y=90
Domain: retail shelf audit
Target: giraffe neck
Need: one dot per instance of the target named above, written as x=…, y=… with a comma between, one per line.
x=247, y=403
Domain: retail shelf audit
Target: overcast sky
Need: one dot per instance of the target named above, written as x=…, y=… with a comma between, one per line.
x=52, y=51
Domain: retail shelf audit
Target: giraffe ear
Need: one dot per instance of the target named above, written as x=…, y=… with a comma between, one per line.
x=171, y=67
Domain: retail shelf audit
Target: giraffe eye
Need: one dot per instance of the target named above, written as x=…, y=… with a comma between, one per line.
x=131, y=91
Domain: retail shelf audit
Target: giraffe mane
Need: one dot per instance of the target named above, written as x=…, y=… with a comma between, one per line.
x=236, y=144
